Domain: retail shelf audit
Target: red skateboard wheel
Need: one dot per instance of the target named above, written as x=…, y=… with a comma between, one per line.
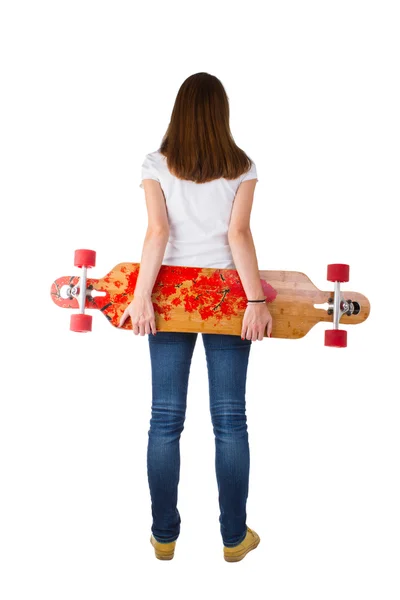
x=81, y=323
x=85, y=258
x=336, y=338
x=338, y=273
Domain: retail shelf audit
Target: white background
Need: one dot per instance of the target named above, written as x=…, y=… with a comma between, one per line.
x=87, y=91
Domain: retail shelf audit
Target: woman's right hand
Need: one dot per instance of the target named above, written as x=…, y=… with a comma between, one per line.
x=256, y=318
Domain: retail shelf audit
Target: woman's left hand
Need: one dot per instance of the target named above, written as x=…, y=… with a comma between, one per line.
x=141, y=312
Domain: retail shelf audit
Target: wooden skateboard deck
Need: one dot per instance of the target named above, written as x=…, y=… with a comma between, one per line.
x=205, y=300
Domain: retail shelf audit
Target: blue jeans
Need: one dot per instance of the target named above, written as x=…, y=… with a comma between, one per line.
x=227, y=359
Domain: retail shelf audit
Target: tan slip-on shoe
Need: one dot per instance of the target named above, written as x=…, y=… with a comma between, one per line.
x=236, y=553
x=163, y=551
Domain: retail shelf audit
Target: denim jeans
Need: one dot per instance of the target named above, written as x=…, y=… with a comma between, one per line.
x=227, y=359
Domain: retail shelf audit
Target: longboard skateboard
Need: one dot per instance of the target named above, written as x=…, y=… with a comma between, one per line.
x=205, y=300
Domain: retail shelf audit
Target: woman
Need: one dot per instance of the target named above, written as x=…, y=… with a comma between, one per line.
x=199, y=189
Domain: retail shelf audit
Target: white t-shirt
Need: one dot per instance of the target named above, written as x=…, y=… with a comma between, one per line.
x=198, y=215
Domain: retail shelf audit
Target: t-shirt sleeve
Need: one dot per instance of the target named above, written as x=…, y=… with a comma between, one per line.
x=251, y=174
x=149, y=169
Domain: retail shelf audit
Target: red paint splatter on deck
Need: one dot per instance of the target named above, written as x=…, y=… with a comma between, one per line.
x=217, y=295
x=269, y=292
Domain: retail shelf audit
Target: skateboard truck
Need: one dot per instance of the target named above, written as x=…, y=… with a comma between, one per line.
x=80, y=322
x=338, y=306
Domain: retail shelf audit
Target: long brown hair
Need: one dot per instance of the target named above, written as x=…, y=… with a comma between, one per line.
x=198, y=143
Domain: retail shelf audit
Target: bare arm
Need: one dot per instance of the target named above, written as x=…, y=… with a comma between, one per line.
x=245, y=259
x=141, y=308
x=257, y=318
x=155, y=240
x=151, y=260
x=241, y=241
